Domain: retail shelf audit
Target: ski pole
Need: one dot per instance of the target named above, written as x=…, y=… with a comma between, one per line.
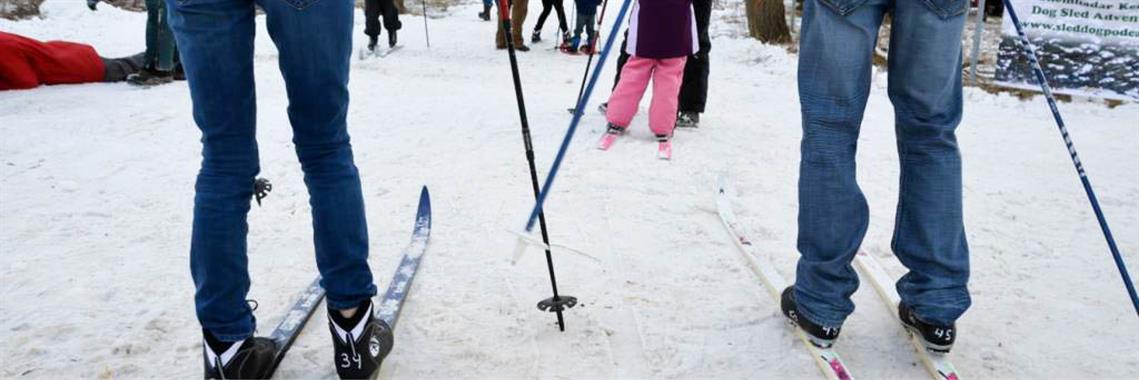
x=557, y=303
x=575, y=120
x=593, y=44
x=1040, y=77
x=425, y=32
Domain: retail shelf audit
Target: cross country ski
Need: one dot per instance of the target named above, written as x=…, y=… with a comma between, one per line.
x=392, y=302
x=378, y=52
x=294, y=321
x=830, y=363
x=936, y=363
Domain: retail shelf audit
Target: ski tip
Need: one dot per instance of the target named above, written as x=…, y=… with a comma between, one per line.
x=424, y=212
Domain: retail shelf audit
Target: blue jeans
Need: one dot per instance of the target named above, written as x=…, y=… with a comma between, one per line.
x=836, y=46
x=315, y=45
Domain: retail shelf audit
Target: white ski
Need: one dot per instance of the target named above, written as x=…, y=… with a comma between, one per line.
x=828, y=359
x=364, y=53
x=937, y=364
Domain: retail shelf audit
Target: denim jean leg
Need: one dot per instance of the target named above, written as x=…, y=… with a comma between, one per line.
x=925, y=88
x=314, y=38
x=834, y=82
x=216, y=40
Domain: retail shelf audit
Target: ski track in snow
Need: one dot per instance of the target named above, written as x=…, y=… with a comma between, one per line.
x=96, y=189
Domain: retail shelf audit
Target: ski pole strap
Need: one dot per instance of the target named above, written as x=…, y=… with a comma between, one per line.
x=261, y=189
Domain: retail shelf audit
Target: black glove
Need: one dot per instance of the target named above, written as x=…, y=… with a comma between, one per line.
x=92, y=3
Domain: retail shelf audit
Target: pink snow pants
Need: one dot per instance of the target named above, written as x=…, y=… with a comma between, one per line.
x=666, y=75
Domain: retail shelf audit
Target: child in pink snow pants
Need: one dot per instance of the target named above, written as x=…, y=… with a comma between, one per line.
x=662, y=34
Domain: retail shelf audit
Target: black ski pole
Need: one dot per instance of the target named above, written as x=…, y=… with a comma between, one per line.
x=1034, y=62
x=557, y=303
x=425, y=32
x=593, y=48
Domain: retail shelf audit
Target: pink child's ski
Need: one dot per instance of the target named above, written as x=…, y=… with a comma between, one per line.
x=664, y=150
x=610, y=137
x=607, y=140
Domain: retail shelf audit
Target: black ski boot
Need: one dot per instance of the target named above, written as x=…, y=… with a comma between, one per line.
x=150, y=77
x=536, y=37
x=391, y=38
x=935, y=338
x=820, y=336
x=485, y=14
x=688, y=119
x=248, y=359
x=360, y=343
x=372, y=41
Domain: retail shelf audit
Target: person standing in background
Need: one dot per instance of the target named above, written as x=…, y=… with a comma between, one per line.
x=661, y=37
x=694, y=89
x=486, y=5
x=373, y=9
x=517, y=17
x=160, y=65
x=563, y=27
x=586, y=17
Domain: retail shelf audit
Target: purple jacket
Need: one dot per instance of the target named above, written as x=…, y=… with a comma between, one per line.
x=660, y=29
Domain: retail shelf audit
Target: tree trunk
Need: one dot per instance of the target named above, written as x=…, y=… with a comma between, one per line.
x=767, y=21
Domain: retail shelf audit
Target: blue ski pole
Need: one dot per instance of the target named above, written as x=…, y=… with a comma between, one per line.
x=1035, y=63
x=576, y=118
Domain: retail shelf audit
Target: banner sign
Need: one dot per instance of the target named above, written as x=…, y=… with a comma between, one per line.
x=1086, y=47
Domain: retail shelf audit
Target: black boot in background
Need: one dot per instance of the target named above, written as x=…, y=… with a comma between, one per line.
x=688, y=119
x=372, y=41
x=150, y=77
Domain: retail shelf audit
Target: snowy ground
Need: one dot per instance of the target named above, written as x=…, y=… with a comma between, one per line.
x=95, y=200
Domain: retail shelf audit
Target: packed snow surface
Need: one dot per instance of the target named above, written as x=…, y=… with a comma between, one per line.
x=96, y=193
